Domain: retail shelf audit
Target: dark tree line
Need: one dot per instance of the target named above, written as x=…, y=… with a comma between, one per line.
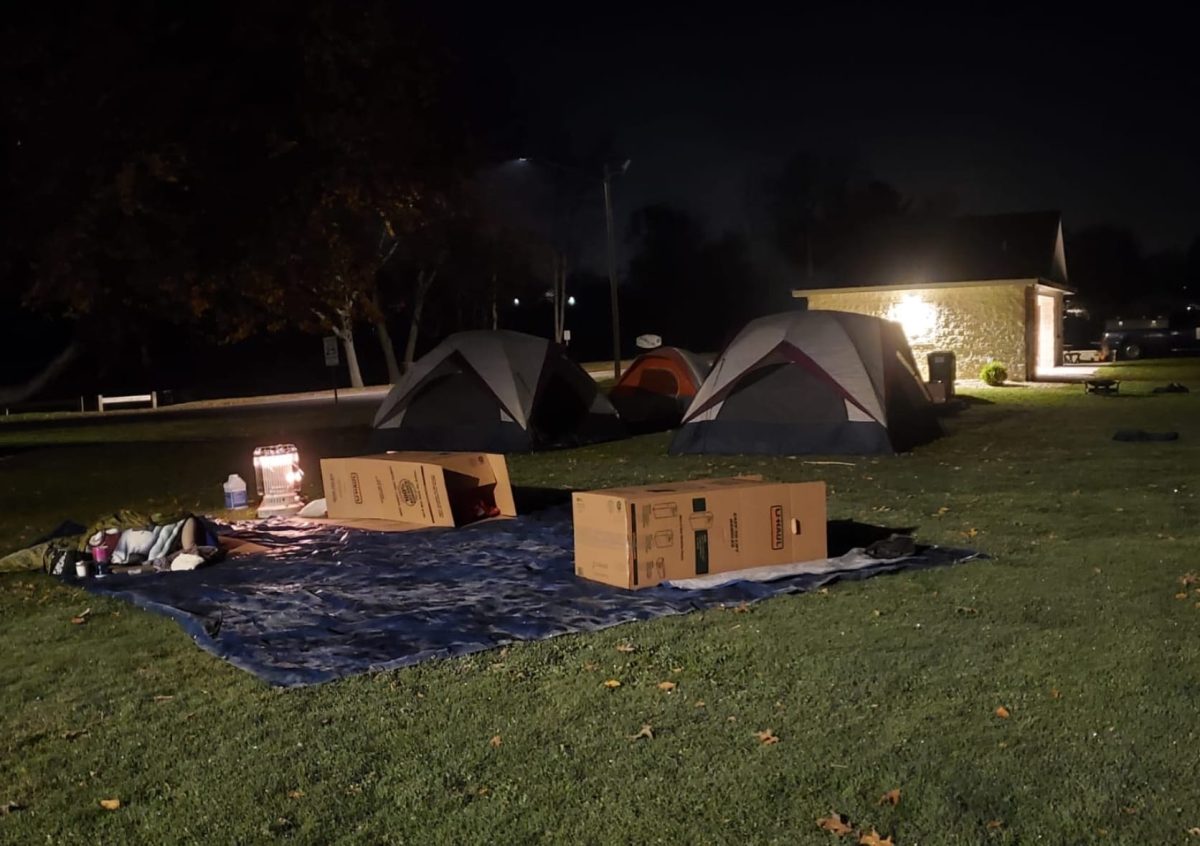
x=205, y=173
x=1115, y=273
x=233, y=169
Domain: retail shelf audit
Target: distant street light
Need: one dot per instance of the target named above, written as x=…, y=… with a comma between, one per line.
x=516, y=301
x=571, y=301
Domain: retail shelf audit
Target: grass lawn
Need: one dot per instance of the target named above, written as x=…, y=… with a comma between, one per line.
x=1079, y=626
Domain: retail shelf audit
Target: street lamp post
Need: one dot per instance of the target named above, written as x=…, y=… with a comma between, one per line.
x=609, y=172
x=612, y=271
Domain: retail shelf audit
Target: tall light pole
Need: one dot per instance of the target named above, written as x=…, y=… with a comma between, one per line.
x=612, y=267
x=609, y=172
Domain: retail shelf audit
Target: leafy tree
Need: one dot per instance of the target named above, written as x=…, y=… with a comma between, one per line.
x=265, y=190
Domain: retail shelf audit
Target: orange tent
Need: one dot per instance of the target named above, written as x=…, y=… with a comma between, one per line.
x=653, y=394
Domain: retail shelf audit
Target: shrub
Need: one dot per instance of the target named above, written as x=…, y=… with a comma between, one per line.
x=994, y=373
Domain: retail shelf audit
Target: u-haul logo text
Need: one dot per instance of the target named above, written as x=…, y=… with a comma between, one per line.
x=776, y=527
x=356, y=489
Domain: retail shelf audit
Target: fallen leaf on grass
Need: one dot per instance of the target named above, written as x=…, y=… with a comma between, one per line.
x=626, y=647
x=1055, y=693
x=667, y=686
x=873, y=839
x=1194, y=831
x=1002, y=713
x=994, y=824
x=835, y=824
x=295, y=794
x=71, y=735
x=1130, y=809
x=164, y=698
x=971, y=532
x=495, y=741
x=10, y=808
x=964, y=609
x=1189, y=579
x=742, y=608
x=892, y=797
x=590, y=666
x=766, y=737
x=645, y=732
x=1182, y=595
x=110, y=804
x=612, y=684
x=82, y=617
x=942, y=511
x=699, y=703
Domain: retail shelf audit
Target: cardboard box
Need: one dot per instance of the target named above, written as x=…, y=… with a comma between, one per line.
x=412, y=490
x=638, y=537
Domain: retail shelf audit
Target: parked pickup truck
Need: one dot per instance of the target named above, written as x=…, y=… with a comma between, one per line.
x=1126, y=340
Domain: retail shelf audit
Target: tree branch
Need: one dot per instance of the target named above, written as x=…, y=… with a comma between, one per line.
x=13, y=394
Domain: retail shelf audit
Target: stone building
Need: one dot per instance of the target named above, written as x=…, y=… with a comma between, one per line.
x=984, y=287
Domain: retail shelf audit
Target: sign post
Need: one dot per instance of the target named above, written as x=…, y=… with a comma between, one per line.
x=331, y=361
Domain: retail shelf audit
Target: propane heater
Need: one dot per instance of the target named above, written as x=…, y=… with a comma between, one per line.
x=277, y=475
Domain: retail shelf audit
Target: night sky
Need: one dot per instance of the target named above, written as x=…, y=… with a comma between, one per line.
x=1091, y=115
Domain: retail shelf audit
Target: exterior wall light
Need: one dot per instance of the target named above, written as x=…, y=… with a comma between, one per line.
x=917, y=317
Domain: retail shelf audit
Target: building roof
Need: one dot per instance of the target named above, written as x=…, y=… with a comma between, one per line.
x=913, y=253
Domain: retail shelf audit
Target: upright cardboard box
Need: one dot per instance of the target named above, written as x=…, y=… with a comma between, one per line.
x=638, y=537
x=412, y=490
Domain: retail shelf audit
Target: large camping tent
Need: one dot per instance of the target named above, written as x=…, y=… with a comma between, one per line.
x=811, y=382
x=658, y=387
x=494, y=391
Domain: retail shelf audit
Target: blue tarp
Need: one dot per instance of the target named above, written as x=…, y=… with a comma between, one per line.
x=328, y=602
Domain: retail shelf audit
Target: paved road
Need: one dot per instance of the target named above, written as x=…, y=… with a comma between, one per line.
x=356, y=398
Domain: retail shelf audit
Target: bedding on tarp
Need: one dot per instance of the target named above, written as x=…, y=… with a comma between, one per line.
x=324, y=602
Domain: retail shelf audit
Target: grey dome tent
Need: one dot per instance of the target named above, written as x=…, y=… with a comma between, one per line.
x=494, y=391
x=804, y=382
x=658, y=387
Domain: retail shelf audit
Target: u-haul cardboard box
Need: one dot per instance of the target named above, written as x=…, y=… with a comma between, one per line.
x=413, y=490
x=638, y=537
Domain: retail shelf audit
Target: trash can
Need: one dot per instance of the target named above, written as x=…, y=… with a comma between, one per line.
x=942, y=368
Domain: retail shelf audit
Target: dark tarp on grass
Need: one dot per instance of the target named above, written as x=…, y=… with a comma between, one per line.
x=327, y=602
